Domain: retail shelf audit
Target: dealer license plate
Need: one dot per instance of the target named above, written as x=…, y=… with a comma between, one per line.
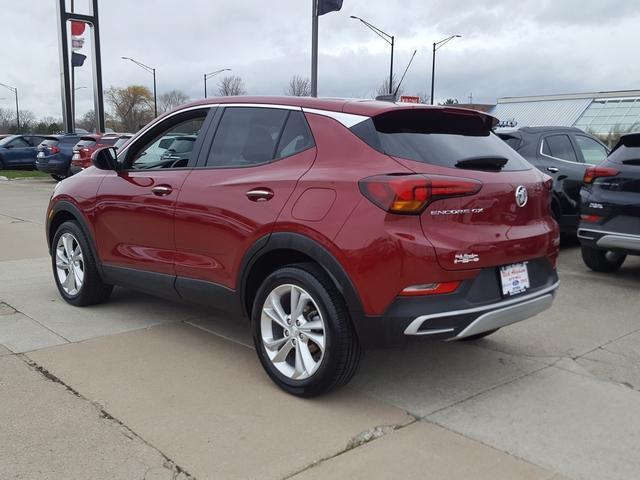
x=515, y=279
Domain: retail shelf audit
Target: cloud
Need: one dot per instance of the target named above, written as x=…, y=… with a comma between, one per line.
x=508, y=48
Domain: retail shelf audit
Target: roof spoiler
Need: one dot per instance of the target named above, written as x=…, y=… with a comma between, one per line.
x=630, y=140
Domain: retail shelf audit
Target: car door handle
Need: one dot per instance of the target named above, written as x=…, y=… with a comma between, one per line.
x=260, y=194
x=553, y=169
x=162, y=190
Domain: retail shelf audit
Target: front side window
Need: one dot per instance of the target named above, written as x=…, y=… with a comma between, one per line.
x=592, y=151
x=248, y=136
x=171, y=143
x=559, y=146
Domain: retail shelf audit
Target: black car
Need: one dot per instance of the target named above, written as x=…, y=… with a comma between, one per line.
x=610, y=221
x=19, y=151
x=54, y=155
x=564, y=153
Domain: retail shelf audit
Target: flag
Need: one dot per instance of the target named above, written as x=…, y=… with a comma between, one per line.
x=326, y=6
x=77, y=59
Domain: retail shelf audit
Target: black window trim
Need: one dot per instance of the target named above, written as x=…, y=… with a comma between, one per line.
x=206, y=150
x=556, y=158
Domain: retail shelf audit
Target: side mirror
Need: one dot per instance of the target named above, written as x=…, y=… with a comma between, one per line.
x=105, y=158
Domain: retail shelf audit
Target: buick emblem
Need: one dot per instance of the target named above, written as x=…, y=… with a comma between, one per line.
x=521, y=196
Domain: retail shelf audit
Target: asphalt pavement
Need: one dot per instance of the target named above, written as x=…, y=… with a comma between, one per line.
x=143, y=388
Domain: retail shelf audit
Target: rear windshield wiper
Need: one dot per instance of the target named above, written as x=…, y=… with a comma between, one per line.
x=482, y=163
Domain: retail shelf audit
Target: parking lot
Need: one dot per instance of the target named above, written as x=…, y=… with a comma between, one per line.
x=143, y=388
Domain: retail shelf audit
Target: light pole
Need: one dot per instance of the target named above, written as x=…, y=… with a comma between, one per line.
x=152, y=71
x=436, y=46
x=15, y=91
x=390, y=39
x=207, y=76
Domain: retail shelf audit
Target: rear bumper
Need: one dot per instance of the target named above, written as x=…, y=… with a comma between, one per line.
x=606, y=240
x=54, y=166
x=476, y=307
x=489, y=317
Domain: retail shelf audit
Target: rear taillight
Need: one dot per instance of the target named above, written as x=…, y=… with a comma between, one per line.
x=597, y=172
x=410, y=194
x=590, y=218
x=54, y=150
x=430, y=289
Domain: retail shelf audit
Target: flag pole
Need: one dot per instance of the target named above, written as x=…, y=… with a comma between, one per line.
x=314, y=48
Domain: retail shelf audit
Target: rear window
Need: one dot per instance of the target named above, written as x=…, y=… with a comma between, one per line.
x=86, y=143
x=183, y=145
x=437, y=137
x=49, y=142
x=513, y=142
x=121, y=141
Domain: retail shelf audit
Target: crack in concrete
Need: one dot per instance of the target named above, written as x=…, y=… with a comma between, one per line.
x=363, y=438
x=16, y=310
x=177, y=469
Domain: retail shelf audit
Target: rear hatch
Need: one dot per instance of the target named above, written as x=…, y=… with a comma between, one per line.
x=47, y=148
x=505, y=219
x=616, y=187
x=82, y=152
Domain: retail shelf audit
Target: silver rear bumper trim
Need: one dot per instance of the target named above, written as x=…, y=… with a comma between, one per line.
x=625, y=242
x=498, y=314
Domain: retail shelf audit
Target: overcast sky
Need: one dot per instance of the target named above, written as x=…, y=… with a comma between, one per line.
x=514, y=47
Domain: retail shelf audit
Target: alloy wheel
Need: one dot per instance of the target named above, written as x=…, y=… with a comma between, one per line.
x=293, y=332
x=69, y=264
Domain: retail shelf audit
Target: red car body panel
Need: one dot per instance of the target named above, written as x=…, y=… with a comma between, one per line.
x=216, y=223
x=133, y=226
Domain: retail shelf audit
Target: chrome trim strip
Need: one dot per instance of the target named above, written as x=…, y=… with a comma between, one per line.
x=346, y=119
x=436, y=332
x=507, y=316
x=260, y=105
x=606, y=232
x=626, y=242
x=414, y=326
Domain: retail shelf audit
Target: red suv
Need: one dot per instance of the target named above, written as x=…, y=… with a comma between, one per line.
x=333, y=225
x=88, y=144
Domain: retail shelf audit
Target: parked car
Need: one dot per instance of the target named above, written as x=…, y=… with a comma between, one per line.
x=610, y=221
x=564, y=154
x=19, y=151
x=88, y=144
x=333, y=225
x=54, y=155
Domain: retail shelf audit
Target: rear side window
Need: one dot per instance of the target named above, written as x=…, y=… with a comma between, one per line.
x=86, y=143
x=559, y=146
x=437, y=137
x=247, y=136
x=49, y=142
x=592, y=151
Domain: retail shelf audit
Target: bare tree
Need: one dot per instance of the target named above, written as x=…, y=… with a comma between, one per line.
x=383, y=89
x=231, y=85
x=299, y=87
x=87, y=121
x=132, y=107
x=172, y=100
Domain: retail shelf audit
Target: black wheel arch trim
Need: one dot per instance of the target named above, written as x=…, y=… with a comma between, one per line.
x=310, y=248
x=70, y=208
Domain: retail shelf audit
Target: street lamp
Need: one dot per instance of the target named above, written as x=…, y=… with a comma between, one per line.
x=207, y=76
x=15, y=91
x=390, y=39
x=436, y=46
x=152, y=71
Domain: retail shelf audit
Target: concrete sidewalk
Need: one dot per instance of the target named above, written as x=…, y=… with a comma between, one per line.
x=144, y=388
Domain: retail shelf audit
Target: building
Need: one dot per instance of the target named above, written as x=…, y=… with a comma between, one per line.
x=606, y=115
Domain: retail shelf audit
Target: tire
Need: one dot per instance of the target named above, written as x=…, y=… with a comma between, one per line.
x=303, y=369
x=602, y=260
x=58, y=178
x=92, y=290
x=473, y=338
